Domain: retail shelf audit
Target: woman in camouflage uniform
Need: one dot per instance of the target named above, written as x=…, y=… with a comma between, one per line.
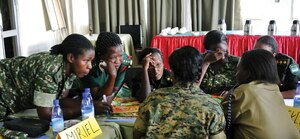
x=35, y=81
x=153, y=75
x=182, y=111
x=219, y=68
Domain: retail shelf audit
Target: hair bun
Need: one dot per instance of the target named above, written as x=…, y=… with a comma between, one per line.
x=56, y=49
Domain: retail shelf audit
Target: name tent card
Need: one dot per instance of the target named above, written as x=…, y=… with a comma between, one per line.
x=86, y=129
x=295, y=115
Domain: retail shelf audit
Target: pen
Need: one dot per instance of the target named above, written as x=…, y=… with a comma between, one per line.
x=225, y=53
x=105, y=100
x=209, y=51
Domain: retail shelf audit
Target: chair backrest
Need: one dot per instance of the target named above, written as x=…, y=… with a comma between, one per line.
x=136, y=33
x=131, y=73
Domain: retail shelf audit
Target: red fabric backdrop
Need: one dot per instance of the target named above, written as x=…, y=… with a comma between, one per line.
x=237, y=44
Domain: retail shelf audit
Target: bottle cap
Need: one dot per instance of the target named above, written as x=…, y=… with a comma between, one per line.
x=296, y=22
x=248, y=21
x=55, y=102
x=221, y=21
x=87, y=90
x=272, y=22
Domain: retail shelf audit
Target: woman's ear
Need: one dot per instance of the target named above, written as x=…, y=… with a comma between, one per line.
x=70, y=58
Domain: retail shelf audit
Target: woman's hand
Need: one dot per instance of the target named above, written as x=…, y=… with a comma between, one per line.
x=214, y=56
x=109, y=67
x=101, y=107
x=147, y=60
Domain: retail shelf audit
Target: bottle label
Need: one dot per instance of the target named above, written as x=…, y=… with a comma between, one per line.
x=57, y=124
x=87, y=115
x=271, y=29
x=297, y=101
x=87, y=112
x=87, y=107
x=294, y=31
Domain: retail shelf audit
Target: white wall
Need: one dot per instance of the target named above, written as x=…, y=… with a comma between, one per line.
x=262, y=11
x=34, y=24
x=32, y=27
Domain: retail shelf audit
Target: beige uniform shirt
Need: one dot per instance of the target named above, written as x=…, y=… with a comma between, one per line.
x=258, y=111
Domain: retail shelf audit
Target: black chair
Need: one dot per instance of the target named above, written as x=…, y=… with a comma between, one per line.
x=131, y=73
x=136, y=33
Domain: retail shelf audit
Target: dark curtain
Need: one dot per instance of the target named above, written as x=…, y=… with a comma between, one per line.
x=206, y=13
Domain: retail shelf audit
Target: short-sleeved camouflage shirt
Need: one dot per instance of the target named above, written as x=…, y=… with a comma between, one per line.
x=33, y=81
x=223, y=79
x=180, y=111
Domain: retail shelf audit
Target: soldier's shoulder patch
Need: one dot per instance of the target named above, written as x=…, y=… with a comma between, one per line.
x=294, y=69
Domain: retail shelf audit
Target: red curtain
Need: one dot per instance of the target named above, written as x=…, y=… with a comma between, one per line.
x=237, y=44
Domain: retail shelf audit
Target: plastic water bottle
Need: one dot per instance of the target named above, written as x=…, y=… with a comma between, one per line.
x=272, y=28
x=87, y=106
x=295, y=28
x=297, y=96
x=222, y=26
x=248, y=28
x=87, y=90
x=57, y=118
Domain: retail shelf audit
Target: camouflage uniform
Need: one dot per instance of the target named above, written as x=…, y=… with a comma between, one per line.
x=98, y=77
x=217, y=80
x=12, y=134
x=287, y=73
x=180, y=111
x=165, y=81
x=33, y=81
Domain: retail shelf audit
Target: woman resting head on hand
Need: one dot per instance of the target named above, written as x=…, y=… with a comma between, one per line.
x=153, y=75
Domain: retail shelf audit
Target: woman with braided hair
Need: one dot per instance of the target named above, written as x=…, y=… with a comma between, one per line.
x=35, y=81
x=108, y=72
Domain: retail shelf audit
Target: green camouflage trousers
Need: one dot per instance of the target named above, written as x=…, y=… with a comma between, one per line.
x=7, y=133
x=11, y=134
x=3, y=110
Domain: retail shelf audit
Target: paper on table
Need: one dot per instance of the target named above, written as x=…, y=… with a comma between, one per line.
x=289, y=102
x=121, y=119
